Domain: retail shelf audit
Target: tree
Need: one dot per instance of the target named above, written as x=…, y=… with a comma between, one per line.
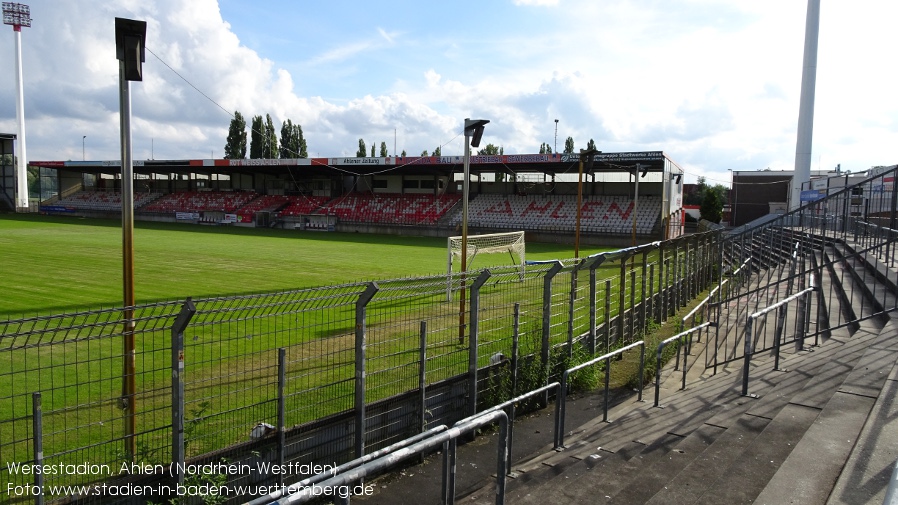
x=383, y=149
x=438, y=151
x=591, y=145
x=424, y=153
x=270, y=139
x=712, y=203
x=696, y=197
x=256, y=134
x=303, y=147
x=235, y=149
x=362, y=152
x=372, y=149
x=545, y=148
x=489, y=150
x=403, y=153
x=289, y=143
x=293, y=145
x=569, y=145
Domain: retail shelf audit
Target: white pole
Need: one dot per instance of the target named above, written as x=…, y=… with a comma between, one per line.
x=806, y=108
x=22, y=171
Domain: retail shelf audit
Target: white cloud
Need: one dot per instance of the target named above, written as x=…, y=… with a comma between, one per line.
x=714, y=83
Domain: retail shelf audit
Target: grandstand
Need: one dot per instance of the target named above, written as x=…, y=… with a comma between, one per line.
x=417, y=195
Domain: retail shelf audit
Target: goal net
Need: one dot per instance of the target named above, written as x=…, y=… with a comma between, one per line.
x=511, y=243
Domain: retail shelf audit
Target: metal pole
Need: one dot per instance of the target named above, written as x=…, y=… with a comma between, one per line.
x=177, y=389
x=592, y=311
x=607, y=316
x=422, y=375
x=747, y=351
x=129, y=367
x=515, y=340
x=473, y=341
x=547, y=321
x=464, y=238
x=360, y=348
x=37, y=426
x=282, y=407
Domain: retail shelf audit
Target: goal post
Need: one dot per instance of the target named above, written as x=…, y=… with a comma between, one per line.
x=511, y=243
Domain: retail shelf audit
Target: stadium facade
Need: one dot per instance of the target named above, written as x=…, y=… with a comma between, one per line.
x=399, y=195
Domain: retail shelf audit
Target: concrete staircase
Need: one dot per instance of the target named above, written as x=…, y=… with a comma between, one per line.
x=822, y=429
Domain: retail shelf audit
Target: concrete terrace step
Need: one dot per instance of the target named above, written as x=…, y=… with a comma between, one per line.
x=868, y=471
x=732, y=439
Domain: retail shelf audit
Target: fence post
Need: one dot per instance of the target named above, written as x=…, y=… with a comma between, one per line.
x=664, y=289
x=645, y=303
x=515, y=340
x=473, y=340
x=592, y=310
x=282, y=407
x=571, y=301
x=422, y=375
x=607, y=315
x=677, y=281
x=177, y=385
x=593, y=292
x=633, y=318
x=622, y=299
x=651, y=297
x=37, y=427
x=747, y=351
x=547, y=320
x=360, y=317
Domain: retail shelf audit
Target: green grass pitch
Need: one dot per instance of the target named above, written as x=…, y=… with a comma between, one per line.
x=61, y=264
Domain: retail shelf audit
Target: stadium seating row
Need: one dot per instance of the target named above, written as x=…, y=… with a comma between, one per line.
x=199, y=201
x=599, y=214
x=390, y=208
x=109, y=201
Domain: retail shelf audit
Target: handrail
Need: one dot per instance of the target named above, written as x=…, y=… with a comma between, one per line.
x=562, y=395
x=661, y=350
x=274, y=495
x=749, y=337
x=389, y=460
x=511, y=415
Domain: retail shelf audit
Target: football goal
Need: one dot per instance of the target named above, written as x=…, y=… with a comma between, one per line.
x=511, y=243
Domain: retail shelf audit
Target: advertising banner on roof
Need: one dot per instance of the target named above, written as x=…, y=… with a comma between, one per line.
x=619, y=157
x=269, y=163
x=361, y=161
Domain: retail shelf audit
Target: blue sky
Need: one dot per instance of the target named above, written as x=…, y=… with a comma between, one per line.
x=713, y=83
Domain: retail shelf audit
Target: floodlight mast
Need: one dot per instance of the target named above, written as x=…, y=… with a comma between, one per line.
x=19, y=15
x=473, y=134
x=130, y=38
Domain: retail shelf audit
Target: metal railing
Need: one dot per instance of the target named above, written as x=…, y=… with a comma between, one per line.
x=559, y=430
x=778, y=334
x=678, y=338
x=385, y=462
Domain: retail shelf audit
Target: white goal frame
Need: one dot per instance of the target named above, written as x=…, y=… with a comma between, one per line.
x=512, y=243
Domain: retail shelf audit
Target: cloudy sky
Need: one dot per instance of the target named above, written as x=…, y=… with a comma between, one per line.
x=715, y=84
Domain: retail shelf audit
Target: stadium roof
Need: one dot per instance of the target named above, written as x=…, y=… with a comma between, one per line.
x=652, y=161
